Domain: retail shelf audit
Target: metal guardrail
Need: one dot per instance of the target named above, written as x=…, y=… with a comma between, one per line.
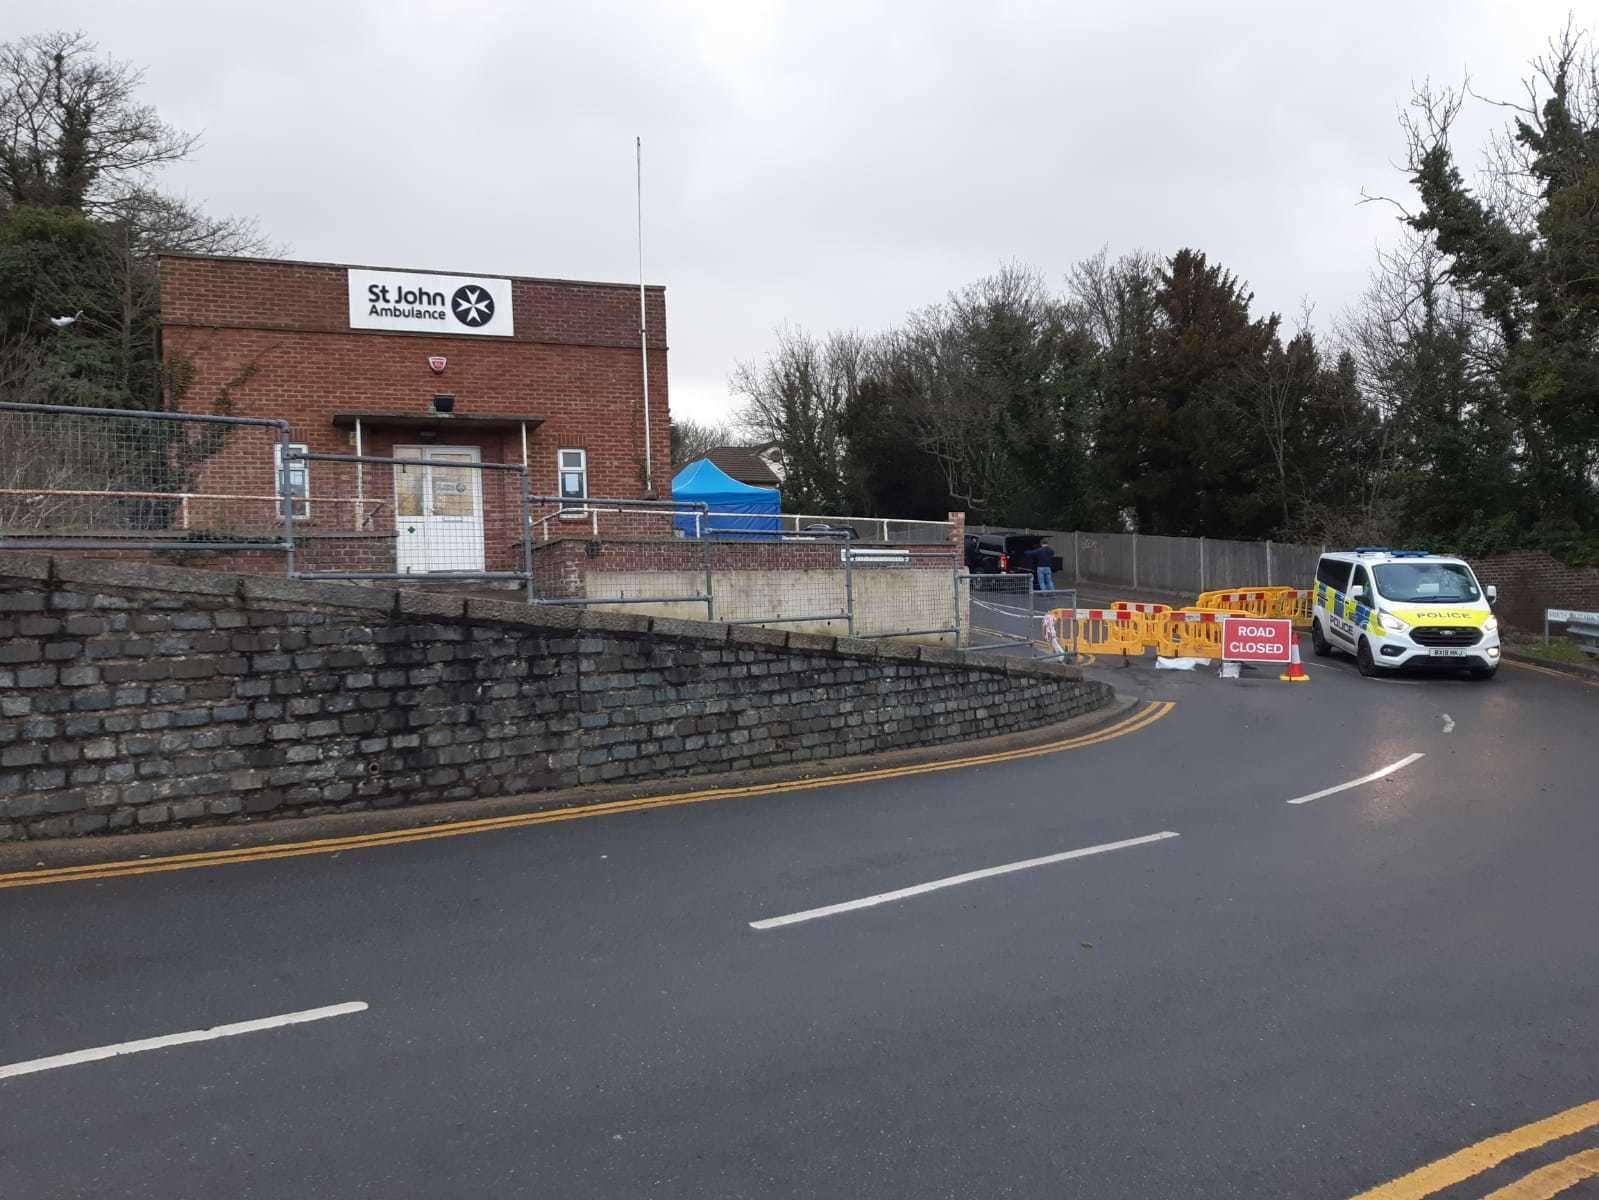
x=1583, y=627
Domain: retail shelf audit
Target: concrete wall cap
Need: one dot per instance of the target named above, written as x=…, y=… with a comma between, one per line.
x=316, y=592
x=858, y=647
x=678, y=627
x=942, y=656
x=107, y=572
x=899, y=652
x=431, y=604
x=556, y=616
x=813, y=643
x=32, y=567
x=503, y=612
x=756, y=635
x=1045, y=670
x=610, y=622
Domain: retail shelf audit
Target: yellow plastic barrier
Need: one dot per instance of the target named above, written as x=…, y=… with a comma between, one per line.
x=1254, y=601
x=1296, y=604
x=1150, y=620
x=1102, y=630
x=1195, y=632
x=1293, y=603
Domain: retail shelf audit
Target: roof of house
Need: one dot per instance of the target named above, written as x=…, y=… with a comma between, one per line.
x=744, y=463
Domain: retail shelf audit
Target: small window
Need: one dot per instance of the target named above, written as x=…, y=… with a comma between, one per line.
x=294, y=477
x=572, y=477
x=1363, y=580
x=1333, y=573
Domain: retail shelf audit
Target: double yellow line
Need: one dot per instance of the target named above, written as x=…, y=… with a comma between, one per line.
x=1490, y=1152
x=1140, y=719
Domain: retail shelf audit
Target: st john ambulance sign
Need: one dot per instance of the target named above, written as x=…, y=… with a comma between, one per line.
x=414, y=303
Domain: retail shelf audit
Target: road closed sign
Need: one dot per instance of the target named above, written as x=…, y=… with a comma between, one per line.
x=1257, y=639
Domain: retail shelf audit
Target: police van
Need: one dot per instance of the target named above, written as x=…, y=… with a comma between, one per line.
x=1401, y=608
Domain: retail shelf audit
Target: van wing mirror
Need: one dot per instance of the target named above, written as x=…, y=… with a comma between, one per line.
x=1493, y=593
x=1358, y=592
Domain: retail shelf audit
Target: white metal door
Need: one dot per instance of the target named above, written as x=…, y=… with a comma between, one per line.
x=438, y=507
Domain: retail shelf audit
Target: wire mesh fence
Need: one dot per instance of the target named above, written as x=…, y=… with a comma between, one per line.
x=800, y=583
x=999, y=611
x=812, y=582
x=427, y=511
x=86, y=478
x=1007, y=613
x=905, y=593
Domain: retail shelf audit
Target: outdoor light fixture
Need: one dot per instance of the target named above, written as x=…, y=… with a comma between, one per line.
x=443, y=402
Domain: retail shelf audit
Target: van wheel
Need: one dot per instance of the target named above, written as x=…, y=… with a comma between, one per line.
x=1363, y=660
x=1318, y=640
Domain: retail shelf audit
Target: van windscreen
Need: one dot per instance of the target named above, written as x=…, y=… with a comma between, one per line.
x=1422, y=583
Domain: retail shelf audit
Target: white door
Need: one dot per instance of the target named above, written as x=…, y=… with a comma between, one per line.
x=438, y=507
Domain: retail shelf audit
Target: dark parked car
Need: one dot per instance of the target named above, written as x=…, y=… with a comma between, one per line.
x=1005, y=553
x=843, y=533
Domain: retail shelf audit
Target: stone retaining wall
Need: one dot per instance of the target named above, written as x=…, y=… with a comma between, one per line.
x=145, y=697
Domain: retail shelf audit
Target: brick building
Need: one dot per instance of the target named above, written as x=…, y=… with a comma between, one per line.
x=456, y=374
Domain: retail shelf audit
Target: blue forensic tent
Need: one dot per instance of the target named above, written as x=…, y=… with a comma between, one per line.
x=745, y=512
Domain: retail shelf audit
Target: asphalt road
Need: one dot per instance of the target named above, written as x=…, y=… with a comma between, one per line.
x=1282, y=1001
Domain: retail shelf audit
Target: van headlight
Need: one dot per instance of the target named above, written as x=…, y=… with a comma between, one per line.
x=1491, y=625
x=1391, y=623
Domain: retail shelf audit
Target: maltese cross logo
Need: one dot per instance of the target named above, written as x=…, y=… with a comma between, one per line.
x=472, y=305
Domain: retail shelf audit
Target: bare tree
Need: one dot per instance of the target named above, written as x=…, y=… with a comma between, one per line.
x=1276, y=388
x=976, y=367
x=799, y=397
x=1113, y=299
x=694, y=439
x=72, y=133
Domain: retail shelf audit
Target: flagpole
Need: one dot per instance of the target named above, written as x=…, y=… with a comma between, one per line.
x=643, y=319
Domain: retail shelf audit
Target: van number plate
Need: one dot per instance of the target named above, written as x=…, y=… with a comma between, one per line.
x=1448, y=653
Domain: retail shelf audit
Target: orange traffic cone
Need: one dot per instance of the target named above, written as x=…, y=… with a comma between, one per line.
x=1296, y=669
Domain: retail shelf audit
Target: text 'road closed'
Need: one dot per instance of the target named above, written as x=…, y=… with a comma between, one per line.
x=1257, y=639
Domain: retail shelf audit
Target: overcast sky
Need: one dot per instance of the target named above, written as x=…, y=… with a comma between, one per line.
x=817, y=163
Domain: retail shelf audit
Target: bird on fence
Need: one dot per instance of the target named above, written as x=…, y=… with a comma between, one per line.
x=63, y=322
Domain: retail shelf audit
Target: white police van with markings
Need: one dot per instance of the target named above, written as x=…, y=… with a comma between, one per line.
x=1403, y=608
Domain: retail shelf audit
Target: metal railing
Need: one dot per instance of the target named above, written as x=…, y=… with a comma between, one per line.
x=701, y=520
x=106, y=480
x=1010, y=613
x=739, y=576
x=554, y=580
x=76, y=478
x=437, y=514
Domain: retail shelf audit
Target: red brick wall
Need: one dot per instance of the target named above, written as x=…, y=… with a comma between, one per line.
x=246, y=293
x=1530, y=581
x=278, y=334
x=560, y=566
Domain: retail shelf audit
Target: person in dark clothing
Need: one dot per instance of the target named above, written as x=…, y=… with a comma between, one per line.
x=1043, y=560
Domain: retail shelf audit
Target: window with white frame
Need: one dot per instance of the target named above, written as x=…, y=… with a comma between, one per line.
x=572, y=477
x=295, y=478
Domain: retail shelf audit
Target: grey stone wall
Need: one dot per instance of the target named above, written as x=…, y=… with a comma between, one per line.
x=145, y=697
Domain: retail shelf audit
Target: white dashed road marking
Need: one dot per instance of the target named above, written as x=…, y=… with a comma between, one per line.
x=920, y=889
x=96, y=1053
x=1354, y=783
